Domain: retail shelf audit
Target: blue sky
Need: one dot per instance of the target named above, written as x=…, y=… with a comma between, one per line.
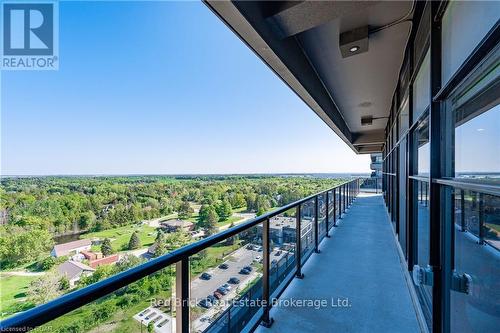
x=159, y=87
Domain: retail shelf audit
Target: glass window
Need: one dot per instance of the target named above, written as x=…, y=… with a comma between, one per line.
x=477, y=145
x=464, y=24
x=478, y=311
x=404, y=118
x=423, y=151
x=421, y=88
x=423, y=242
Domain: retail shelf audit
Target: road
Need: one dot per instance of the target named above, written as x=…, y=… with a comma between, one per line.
x=21, y=273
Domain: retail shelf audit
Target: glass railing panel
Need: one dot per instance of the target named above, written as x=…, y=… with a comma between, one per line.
x=307, y=239
x=321, y=216
x=142, y=306
x=283, y=237
x=226, y=282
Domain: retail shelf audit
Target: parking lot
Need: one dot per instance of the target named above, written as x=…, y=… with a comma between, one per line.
x=200, y=288
x=236, y=261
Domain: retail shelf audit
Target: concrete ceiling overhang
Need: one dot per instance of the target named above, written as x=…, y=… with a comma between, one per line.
x=299, y=41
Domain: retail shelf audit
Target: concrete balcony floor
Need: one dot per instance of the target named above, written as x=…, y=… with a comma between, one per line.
x=358, y=273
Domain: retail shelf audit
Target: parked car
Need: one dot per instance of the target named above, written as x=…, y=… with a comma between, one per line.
x=222, y=290
x=205, y=303
x=234, y=280
x=212, y=299
x=227, y=286
x=249, y=247
x=278, y=253
x=248, y=268
x=206, y=276
x=244, y=271
x=224, y=266
x=257, y=258
x=217, y=294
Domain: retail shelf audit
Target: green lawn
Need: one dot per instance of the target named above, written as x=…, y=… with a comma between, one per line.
x=215, y=256
x=232, y=219
x=121, y=236
x=13, y=291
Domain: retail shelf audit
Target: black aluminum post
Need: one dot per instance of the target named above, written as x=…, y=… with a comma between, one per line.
x=334, y=207
x=481, y=218
x=184, y=296
x=438, y=243
x=298, y=243
x=316, y=224
x=348, y=194
x=341, y=201
x=267, y=321
x=462, y=210
x=327, y=214
x=345, y=199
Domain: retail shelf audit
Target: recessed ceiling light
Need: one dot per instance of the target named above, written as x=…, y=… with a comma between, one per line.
x=354, y=48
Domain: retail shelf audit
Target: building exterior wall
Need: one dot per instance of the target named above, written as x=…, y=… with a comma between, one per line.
x=440, y=169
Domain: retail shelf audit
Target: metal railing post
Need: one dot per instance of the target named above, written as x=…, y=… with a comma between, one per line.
x=327, y=214
x=267, y=321
x=341, y=201
x=316, y=224
x=298, y=244
x=348, y=195
x=334, y=207
x=182, y=291
x=481, y=218
x=462, y=210
x=345, y=199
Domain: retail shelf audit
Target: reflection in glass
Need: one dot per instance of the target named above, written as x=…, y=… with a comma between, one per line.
x=423, y=241
x=478, y=311
x=477, y=145
x=423, y=152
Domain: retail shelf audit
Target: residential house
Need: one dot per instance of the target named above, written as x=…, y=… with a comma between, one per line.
x=71, y=248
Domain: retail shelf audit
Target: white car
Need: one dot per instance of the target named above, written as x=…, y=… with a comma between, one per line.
x=257, y=258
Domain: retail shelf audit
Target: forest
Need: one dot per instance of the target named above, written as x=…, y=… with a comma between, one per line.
x=36, y=210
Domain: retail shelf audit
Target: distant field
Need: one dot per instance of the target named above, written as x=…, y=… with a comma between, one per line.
x=232, y=219
x=121, y=236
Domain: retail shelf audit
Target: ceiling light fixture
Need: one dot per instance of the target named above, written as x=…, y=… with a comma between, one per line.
x=353, y=42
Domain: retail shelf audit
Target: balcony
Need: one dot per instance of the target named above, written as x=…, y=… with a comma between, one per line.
x=348, y=260
x=359, y=275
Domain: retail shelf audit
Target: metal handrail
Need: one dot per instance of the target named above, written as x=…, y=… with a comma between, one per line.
x=39, y=315
x=470, y=186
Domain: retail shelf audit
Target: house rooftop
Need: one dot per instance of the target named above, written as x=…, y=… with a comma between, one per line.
x=65, y=248
x=72, y=269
